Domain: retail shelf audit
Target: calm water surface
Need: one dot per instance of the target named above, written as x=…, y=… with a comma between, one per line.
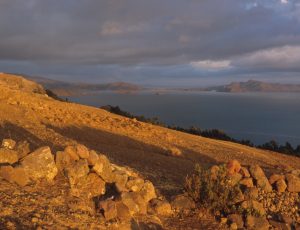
x=258, y=117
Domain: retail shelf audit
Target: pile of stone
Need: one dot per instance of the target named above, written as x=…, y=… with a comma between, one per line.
x=263, y=202
x=118, y=193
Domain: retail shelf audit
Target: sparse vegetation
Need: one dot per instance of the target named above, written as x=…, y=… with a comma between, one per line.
x=212, y=189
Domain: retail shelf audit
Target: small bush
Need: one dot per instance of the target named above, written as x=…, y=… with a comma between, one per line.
x=211, y=188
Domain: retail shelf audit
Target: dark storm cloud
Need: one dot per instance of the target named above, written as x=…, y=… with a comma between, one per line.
x=130, y=35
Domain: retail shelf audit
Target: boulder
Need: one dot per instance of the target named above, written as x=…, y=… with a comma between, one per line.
x=244, y=172
x=233, y=166
x=251, y=193
x=148, y=191
x=72, y=151
x=8, y=143
x=183, y=202
x=161, y=207
x=234, y=178
x=82, y=151
x=128, y=200
x=93, y=158
x=77, y=171
x=8, y=156
x=40, y=164
x=109, y=209
x=281, y=185
x=134, y=184
x=14, y=175
x=254, y=205
x=247, y=182
x=214, y=171
x=120, y=178
x=62, y=160
x=276, y=177
x=95, y=186
x=23, y=149
x=123, y=211
x=261, y=180
x=103, y=169
x=293, y=183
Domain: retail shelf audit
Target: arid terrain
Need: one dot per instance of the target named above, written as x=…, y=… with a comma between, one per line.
x=161, y=155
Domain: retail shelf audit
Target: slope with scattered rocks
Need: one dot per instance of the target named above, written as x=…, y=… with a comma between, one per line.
x=158, y=154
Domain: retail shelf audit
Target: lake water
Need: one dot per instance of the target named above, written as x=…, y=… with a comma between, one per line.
x=258, y=117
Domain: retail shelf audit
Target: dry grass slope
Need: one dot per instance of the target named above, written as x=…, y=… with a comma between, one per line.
x=25, y=114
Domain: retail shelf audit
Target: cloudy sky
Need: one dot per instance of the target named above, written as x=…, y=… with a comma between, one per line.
x=158, y=42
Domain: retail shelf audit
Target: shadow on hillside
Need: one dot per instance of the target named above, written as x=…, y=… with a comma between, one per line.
x=18, y=133
x=149, y=160
x=166, y=172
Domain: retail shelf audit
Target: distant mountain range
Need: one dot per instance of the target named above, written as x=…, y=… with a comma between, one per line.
x=62, y=88
x=255, y=86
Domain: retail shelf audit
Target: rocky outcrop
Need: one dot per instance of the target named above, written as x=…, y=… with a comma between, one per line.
x=256, y=201
x=117, y=193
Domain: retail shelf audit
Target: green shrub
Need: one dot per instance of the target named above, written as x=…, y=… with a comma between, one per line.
x=212, y=189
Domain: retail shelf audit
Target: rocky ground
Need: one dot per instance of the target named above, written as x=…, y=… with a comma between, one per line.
x=156, y=154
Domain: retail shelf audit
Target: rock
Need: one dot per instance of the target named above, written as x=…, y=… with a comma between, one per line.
x=103, y=169
x=8, y=143
x=251, y=193
x=148, y=191
x=134, y=184
x=8, y=156
x=183, y=202
x=254, y=205
x=95, y=186
x=296, y=172
x=281, y=185
x=276, y=177
x=109, y=209
x=223, y=220
x=233, y=166
x=93, y=158
x=6, y=172
x=257, y=223
x=20, y=177
x=40, y=164
x=82, y=151
x=72, y=151
x=161, y=207
x=77, y=171
x=234, y=178
x=239, y=197
x=121, y=179
x=293, y=183
x=247, y=182
x=23, y=149
x=128, y=200
x=236, y=218
x=260, y=177
x=14, y=175
x=244, y=172
x=62, y=160
x=123, y=211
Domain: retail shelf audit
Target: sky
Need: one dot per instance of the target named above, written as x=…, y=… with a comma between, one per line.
x=152, y=42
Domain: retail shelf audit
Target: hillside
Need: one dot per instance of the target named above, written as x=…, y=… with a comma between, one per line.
x=158, y=154
x=256, y=86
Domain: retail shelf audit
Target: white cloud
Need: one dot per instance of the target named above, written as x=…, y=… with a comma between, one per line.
x=284, y=1
x=211, y=65
x=284, y=57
